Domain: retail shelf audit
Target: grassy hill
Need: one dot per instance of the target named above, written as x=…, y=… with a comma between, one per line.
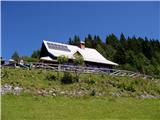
x=100, y=84
x=45, y=95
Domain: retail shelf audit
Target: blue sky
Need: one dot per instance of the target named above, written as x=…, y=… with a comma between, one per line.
x=26, y=24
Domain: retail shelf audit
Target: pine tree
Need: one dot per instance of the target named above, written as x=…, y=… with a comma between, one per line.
x=120, y=56
x=113, y=41
x=123, y=41
x=16, y=56
x=36, y=54
x=89, y=41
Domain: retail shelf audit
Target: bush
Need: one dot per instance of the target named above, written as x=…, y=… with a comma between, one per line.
x=91, y=82
x=67, y=78
x=129, y=88
x=51, y=77
x=30, y=59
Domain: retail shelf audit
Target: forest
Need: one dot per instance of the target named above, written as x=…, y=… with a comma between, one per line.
x=131, y=53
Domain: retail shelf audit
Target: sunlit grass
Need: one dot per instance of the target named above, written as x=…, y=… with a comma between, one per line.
x=29, y=107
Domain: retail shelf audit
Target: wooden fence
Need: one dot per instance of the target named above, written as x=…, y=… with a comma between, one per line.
x=72, y=68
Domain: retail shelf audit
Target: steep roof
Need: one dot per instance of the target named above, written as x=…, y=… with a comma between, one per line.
x=89, y=54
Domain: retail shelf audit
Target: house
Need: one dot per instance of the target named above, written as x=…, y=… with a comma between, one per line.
x=92, y=58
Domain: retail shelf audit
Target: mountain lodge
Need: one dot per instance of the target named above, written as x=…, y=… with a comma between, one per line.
x=92, y=58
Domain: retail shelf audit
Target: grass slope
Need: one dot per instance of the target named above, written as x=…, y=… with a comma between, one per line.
x=28, y=107
x=46, y=79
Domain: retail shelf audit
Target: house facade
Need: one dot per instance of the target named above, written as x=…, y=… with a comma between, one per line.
x=92, y=58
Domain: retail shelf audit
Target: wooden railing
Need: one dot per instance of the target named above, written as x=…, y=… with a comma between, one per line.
x=72, y=68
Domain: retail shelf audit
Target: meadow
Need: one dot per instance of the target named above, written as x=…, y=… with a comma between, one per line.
x=29, y=107
x=114, y=98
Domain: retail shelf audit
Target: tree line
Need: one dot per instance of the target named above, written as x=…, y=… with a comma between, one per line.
x=131, y=53
x=34, y=57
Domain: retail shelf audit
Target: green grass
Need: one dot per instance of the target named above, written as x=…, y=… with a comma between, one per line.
x=29, y=107
x=40, y=79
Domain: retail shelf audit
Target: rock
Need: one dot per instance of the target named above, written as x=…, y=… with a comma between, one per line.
x=17, y=90
x=6, y=89
x=62, y=92
x=42, y=92
x=147, y=96
x=54, y=95
x=10, y=89
x=50, y=91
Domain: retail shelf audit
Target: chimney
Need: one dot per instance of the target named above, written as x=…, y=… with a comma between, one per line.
x=82, y=45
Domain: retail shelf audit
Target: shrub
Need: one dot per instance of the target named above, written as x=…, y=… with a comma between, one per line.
x=4, y=74
x=51, y=77
x=91, y=82
x=67, y=78
x=62, y=59
x=129, y=88
x=126, y=86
